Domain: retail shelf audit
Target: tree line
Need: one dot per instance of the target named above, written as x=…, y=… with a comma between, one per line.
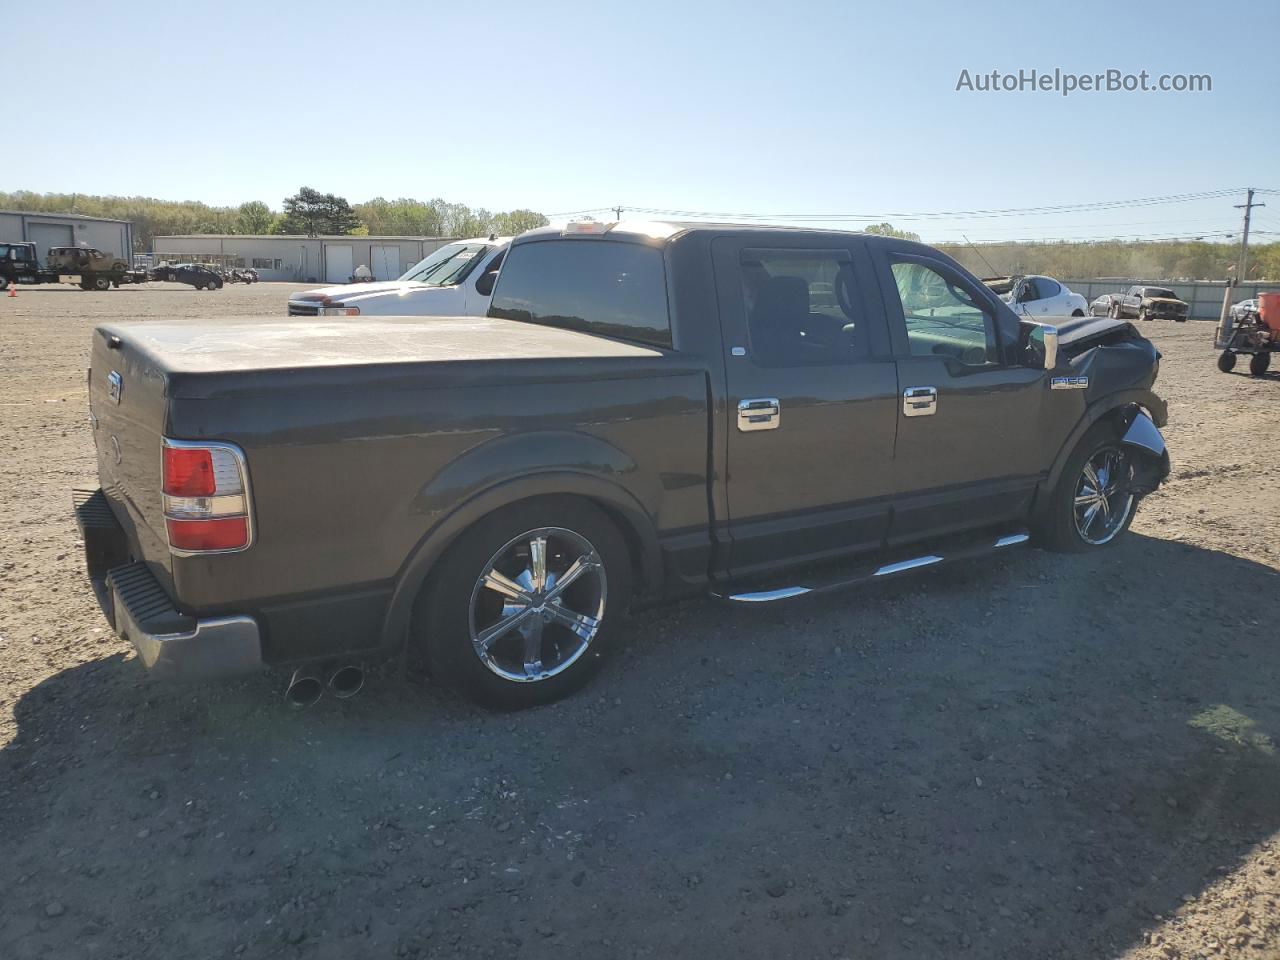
x=307, y=212
x=311, y=212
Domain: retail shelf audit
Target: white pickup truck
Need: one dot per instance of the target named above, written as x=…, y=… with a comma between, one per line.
x=456, y=280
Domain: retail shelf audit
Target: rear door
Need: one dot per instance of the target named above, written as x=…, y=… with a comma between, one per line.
x=971, y=445
x=812, y=388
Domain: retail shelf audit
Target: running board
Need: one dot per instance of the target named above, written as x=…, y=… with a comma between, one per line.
x=967, y=552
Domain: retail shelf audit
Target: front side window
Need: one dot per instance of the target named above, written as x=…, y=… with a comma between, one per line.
x=802, y=307
x=447, y=266
x=612, y=288
x=943, y=319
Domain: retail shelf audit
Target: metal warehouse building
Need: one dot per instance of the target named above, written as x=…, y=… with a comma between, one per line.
x=301, y=259
x=47, y=230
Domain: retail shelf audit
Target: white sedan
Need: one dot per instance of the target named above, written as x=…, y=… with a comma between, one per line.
x=454, y=281
x=1036, y=297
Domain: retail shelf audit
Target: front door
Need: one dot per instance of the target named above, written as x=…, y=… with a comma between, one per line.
x=972, y=444
x=812, y=394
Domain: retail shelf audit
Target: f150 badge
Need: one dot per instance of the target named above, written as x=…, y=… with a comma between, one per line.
x=115, y=386
x=1069, y=383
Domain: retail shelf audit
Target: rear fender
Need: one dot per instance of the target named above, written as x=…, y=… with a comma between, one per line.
x=554, y=463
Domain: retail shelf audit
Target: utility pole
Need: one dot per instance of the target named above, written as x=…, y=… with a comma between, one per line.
x=1247, y=207
x=618, y=210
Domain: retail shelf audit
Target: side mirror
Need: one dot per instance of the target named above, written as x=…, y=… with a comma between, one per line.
x=1045, y=338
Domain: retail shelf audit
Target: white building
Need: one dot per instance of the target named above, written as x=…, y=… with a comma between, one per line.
x=300, y=259
x=47, y=230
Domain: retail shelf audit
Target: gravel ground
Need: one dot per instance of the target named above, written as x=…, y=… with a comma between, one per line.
x=1039, y=757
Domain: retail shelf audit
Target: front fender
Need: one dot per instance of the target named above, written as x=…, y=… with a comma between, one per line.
x=1124, y=404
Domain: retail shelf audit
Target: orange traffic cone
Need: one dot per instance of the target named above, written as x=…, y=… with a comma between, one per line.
x=13, y=289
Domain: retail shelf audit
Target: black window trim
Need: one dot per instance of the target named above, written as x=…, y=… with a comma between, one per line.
x=981, y=294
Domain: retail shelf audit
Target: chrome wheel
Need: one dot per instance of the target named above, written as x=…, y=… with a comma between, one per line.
x=538, y=604
x=1103, y=502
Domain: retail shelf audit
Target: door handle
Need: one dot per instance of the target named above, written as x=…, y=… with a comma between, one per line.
x=760, y=413
x=919, y=401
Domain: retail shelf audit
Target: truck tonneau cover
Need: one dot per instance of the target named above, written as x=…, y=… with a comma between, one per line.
x=243, y=344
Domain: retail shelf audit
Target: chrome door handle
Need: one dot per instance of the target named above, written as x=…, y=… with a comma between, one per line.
x=760, y=413
x=919, y=401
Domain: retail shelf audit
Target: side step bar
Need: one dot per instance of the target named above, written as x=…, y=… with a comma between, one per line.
x=967, y=552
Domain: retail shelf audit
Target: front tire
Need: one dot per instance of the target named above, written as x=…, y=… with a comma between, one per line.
x=101, y=284
x=523, y=607
x=1092, y=506
x=1259, y=363
x=1226, y=361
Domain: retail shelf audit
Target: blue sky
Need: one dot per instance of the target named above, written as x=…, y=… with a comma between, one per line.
x=796, y=107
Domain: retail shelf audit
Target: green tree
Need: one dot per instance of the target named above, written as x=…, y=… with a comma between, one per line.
x=889, y=230
x=311, y=212
x=515, y=222
x=254, y=217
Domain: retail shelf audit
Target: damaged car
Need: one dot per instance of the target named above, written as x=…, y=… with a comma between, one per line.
x=646, y=411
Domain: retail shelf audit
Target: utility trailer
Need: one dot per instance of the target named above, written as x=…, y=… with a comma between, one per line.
x=89, y=268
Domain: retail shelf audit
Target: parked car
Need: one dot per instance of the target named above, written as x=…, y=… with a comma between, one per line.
x=647, y=411
x=1038, y=297
x=1149, y=303
x=197, y=275
x=1244, y=311
x=456, y=280
x=1101, y=306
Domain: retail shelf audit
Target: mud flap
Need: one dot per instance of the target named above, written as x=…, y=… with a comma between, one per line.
x=1145, y=443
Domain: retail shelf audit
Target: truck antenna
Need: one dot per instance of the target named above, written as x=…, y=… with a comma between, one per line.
x=993, y=270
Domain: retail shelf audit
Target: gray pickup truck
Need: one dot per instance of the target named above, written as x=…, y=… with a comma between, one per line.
x=648, y=411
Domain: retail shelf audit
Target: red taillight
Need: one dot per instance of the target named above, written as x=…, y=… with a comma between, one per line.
x=221, y=533
x=188, y=472
x=205, y=489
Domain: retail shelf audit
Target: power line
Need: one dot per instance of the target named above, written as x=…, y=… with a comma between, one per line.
x=922, y=215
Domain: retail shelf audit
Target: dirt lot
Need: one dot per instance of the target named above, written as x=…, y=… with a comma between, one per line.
x=1043, y=757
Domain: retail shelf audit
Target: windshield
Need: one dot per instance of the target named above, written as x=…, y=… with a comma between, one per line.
x=1160, y=292
x=448, y=265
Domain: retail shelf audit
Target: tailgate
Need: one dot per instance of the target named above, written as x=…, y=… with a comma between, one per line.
x=127, y=409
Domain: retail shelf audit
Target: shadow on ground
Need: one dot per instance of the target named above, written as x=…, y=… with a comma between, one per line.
x=1025, y=759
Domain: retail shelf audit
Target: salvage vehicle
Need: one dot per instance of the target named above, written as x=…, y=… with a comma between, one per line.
x=647, y=411
x=194, y=274
x=1149, y=303
x=1245, y=310
x=1101, y=306
x=1038, y=297
x=1254, y=331
x=456, y=280
x=92, y=269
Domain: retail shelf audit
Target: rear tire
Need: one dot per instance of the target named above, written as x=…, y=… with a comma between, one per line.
x=1226, y=361
x=101, y=283
x=1076, y=520
x=1259, y=363
x=555, y=641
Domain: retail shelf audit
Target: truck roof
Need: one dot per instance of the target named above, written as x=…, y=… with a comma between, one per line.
x=667, y=230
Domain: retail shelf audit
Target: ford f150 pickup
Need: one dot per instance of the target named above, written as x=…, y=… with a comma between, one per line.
x=456, y=280
x=648, y=410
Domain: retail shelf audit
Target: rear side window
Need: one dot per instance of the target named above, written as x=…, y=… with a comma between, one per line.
x=612, y=288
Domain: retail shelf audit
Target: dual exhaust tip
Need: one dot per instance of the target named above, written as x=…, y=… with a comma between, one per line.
x=307, y=684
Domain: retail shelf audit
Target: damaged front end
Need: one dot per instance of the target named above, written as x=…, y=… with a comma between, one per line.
x=1147, y=451
x=1110, y=361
